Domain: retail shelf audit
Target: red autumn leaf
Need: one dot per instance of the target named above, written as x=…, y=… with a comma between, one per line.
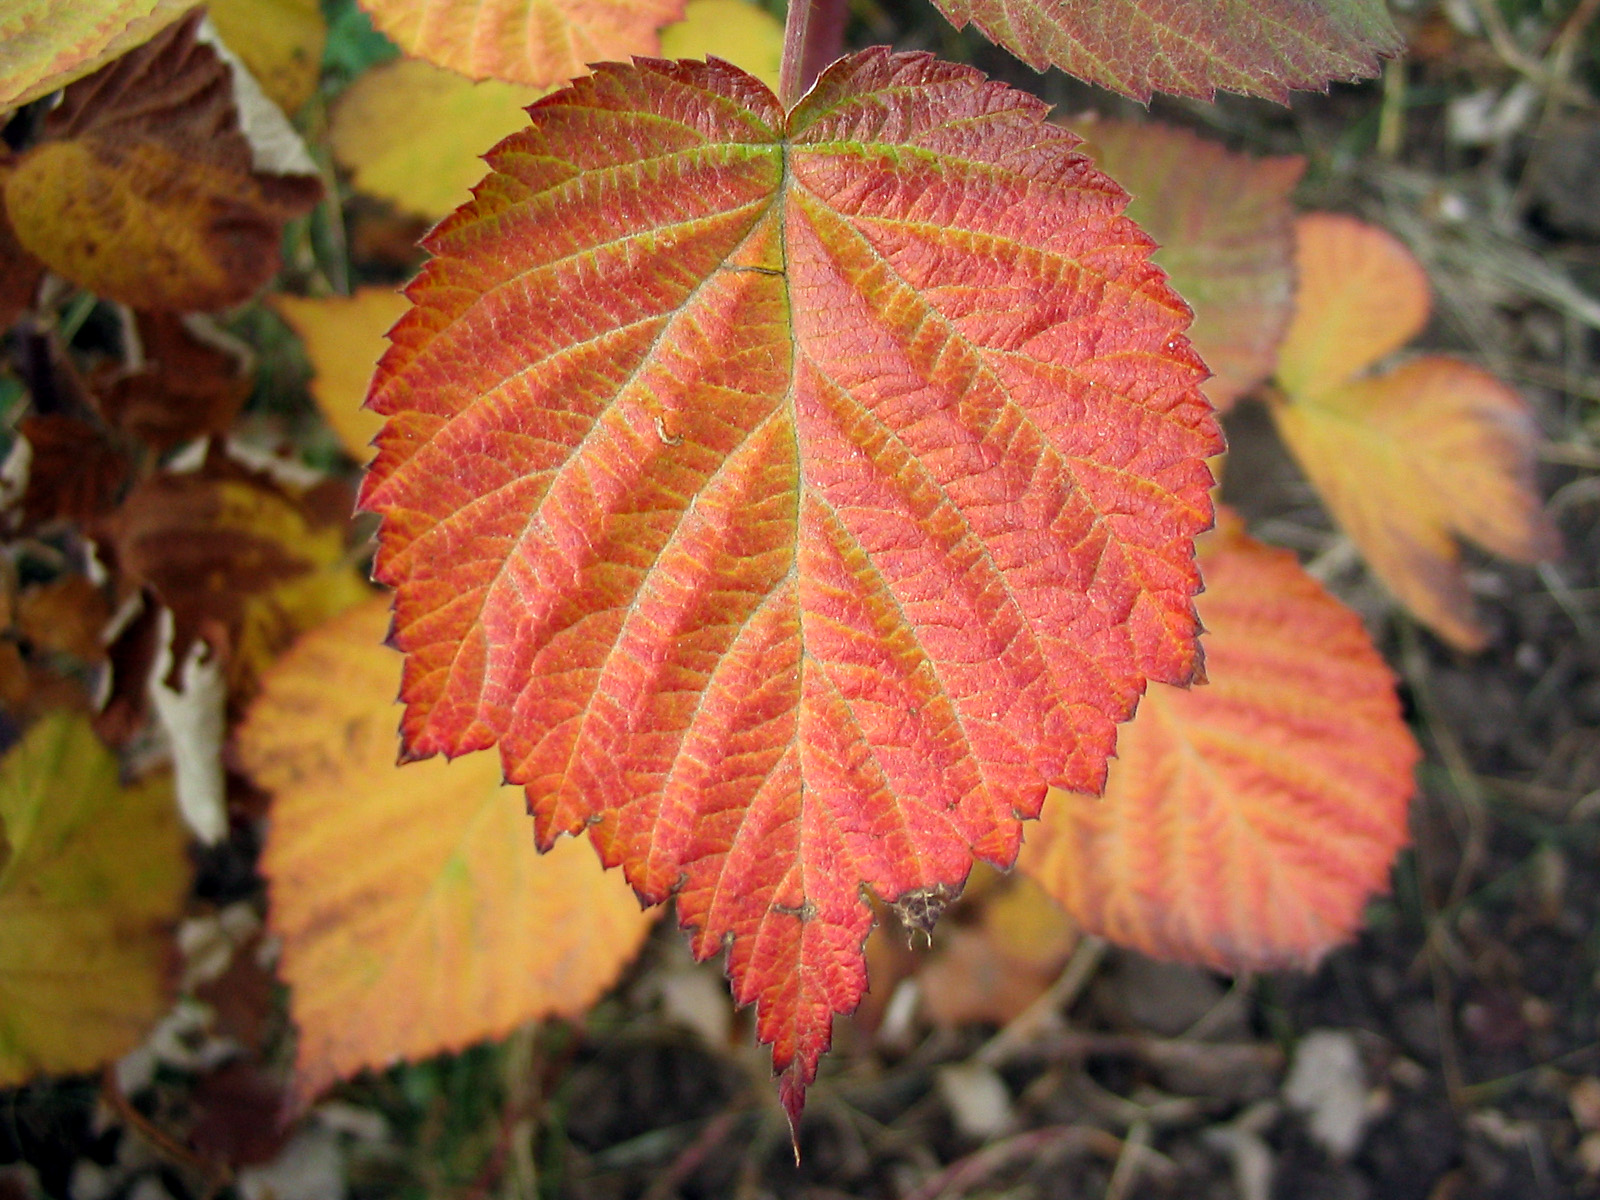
x=791, y=497
x=1245, y=823
x=1259, y=47
x=1225, y=222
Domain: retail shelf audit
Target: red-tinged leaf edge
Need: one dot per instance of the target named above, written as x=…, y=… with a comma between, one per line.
x=1120, y=395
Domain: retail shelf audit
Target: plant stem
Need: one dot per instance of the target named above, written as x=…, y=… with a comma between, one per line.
x=813, y=36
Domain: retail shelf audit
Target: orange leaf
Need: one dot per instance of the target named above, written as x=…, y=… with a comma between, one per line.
x=1360, y=297
x=792, y=496
x=45, y=44
x=538, y=42
x=1408, y=459
x=143, y=190
x=1245, y=823
x=416, y=914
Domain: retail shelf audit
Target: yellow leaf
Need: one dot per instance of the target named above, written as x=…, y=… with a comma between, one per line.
x=415, y=913
x=747, y=36
x=1409, y=459
x=415, y=134
x=344, y=338
x=280, y=41
x=539, y=42
x=95, y=877
x=45, y=44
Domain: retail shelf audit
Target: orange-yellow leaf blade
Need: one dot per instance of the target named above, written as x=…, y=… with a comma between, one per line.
x=791, y=497
x=538, y=42
x=344, y=338
x=415, y=912
x=1360, y=297
x=1245, y=823
x=45, y=44
x=415, y=134
x=1411, y=459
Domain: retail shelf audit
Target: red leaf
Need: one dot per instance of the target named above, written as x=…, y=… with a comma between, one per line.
x=1246, y=823
x=1259, y=47
x=791, y=498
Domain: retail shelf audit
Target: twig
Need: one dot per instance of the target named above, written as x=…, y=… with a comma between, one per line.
x=218, y=1175
x=1050, y=1141
x=691, y=1157
x=1034, y=1020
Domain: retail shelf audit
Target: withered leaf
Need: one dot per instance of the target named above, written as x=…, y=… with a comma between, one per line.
x=143, y=190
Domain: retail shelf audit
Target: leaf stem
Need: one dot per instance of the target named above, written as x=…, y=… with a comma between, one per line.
x=813, y=36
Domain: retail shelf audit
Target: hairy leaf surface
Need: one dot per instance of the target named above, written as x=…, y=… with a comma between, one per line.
x=1225, y=223
x=539, y=42
x=1409, y=459
x=416, y=914
x=1190, y=47
x=791, y=497
x=1246, y=823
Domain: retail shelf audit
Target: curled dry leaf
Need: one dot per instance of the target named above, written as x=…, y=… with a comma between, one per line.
x=1225, y=223
x=1136, y=47
x=185, y=388
x=538, y=42
x=1408, y=459
x=76, y=471
x=1245, y=823
x=20, y=274
x=95, y=878
x=45, y=45
x=142, y=187
x=415, y=912
x=241, y=562
x=344, y=338
x=791, y=497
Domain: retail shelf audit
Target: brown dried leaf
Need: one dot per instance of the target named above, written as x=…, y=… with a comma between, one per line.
x=241, y=562
x=186, y=388
x=77, y=473
x=143, y=189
